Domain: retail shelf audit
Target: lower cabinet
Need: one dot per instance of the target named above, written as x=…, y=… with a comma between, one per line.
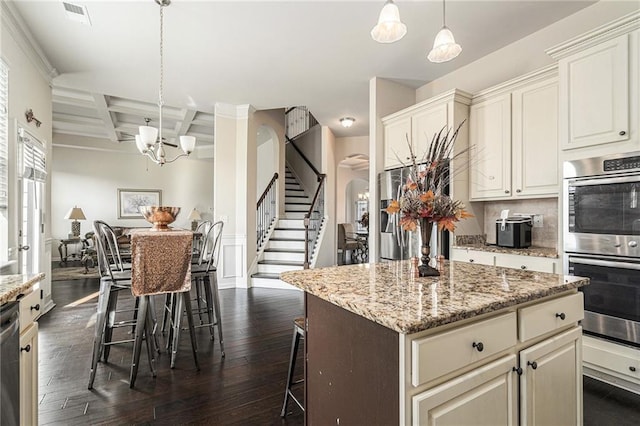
x=488, y=395
x=551, y=381
x=29, y=375
x=504, y=260
x=534, y=381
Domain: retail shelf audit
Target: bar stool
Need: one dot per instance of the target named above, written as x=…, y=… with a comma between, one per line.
x=298, y=332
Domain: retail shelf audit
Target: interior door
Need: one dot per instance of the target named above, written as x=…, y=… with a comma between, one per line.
x=31, y=183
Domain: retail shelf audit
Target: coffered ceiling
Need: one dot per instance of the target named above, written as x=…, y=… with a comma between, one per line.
x=270, y=54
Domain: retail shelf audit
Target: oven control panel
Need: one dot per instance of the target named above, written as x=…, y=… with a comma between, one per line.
x=627, y=163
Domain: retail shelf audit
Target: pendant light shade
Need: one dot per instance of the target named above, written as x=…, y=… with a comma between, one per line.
x=445, y=47
x=389, y=28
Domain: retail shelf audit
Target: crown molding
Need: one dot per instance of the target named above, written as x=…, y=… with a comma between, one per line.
x=620, y=26
x=453, y=95
x=541, y=74
x=15, y=25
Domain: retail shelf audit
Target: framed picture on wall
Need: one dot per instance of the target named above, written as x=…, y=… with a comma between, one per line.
x=130, y=199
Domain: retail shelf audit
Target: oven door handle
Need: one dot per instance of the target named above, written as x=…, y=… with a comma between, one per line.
x=603, y=181
x=605, y=263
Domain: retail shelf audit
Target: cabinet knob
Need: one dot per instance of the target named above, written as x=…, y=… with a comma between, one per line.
x=622, y=133
x=523, y=267
x=561, y=315
x=36, y=307
x=26, y=348
x=533, y=364
x=470, y=260
x=479, y=346
x=518, y=370
x=518, y=190
x=632, y=368
x=506, y=191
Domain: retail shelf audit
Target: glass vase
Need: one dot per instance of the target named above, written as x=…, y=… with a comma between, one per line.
x=425, y=233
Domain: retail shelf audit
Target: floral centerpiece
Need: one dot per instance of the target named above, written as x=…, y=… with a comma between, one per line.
x=422, y=201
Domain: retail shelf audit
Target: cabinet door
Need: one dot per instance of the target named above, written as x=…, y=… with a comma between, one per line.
x=551, y=383
x=535, y=140
x=527, y=263
x=397, y=135
x=490, y=160
x=473, y=256
x=594, y=93
x=425, y=125
x=488, y=395
x=29, y=375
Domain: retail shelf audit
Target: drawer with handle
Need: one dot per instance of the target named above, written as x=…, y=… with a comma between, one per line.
x=30, y=307
x=536, y=320
x=440, y=354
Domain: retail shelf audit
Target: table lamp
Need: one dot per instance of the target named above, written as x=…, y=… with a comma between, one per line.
x=76, y=214
x=194, y=217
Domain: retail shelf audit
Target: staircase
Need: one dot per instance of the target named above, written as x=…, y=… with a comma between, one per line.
x=284, y=251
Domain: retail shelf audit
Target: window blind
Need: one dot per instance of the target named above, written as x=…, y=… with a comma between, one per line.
x=4, y=135
x=33, y=157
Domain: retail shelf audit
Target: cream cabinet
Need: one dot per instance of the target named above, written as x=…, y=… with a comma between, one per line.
x=418, y=124
x=599, y=74
x=550, y=386
x=612, y=362
x=529, y=263
x=30, y=309
x=595, y=93
x=473, y=256
x=526, y=364
x=514, y=139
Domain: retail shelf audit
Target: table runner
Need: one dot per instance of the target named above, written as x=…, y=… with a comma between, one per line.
x=160, y=261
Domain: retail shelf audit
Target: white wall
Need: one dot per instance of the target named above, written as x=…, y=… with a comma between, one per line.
x=267, y=164
x=90, y=180
x=327, y=254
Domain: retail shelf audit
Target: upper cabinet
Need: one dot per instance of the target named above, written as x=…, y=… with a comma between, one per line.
x=514, y=139
x=599, y=94
x=418, y=124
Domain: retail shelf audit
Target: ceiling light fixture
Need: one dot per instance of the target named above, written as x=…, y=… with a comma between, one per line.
x=445, y=47
x=389, y=27
x=347, y=121
x=149, y=141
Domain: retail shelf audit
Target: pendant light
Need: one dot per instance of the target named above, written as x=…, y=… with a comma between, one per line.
x=445, y=47
x=389, y=27
x=150, y=142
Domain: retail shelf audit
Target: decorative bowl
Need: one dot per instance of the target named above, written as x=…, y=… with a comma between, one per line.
x=159, y=216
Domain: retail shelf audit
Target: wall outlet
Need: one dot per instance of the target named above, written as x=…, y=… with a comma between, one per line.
x=537, y=221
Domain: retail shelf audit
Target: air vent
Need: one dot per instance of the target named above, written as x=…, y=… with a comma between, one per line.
x=77, y=13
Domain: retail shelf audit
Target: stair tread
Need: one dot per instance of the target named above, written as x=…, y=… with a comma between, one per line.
x=288, y=229
x=275, y=250
x=287, y=239
x=266, y=275
x=280, y=262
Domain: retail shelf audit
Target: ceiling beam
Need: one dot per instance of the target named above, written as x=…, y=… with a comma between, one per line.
x=182, y=126
x=106, y=116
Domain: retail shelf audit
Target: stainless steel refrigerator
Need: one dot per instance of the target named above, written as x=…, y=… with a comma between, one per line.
x=395, y=243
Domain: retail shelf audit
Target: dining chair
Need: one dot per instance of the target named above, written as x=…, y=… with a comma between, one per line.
x=347, y=240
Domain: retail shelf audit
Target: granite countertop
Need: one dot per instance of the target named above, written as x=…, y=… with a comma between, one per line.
x=388, y=294
x=529, y=251
x=13, y=285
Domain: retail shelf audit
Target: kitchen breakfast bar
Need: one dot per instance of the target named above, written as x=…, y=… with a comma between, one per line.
x=476, y=345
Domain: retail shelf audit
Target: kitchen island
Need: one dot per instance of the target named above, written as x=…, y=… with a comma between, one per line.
x=477, y=345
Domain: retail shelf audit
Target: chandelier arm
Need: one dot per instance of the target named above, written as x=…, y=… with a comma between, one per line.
x=181, y=155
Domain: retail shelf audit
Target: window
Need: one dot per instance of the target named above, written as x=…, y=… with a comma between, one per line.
x=4, y=163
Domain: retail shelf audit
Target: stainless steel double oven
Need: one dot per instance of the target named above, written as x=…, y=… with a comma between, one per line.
x=601, y=220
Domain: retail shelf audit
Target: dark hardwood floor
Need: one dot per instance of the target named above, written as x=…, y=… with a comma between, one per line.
x=244, y=388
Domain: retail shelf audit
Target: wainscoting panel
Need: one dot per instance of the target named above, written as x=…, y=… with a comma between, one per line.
x=233, y=261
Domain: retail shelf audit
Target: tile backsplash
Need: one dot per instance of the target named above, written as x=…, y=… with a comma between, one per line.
x=547, y=236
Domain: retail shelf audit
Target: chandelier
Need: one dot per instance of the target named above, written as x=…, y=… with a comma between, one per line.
x=445, y=47
x=150, y=142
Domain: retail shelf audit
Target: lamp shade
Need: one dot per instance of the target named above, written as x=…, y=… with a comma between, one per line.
x=187, y=143
x=389, y=27
x=194, y=215
x=148, y=135
x=75, y=213
x=140, y=145
x=445, y=47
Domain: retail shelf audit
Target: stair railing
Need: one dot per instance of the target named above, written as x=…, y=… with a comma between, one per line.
x=313, y=220
x=266, y=208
